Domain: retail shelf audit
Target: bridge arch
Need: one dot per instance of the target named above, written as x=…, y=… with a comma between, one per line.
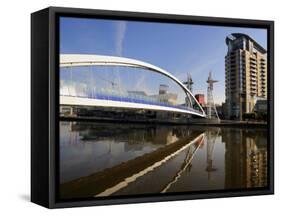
x=81, y=60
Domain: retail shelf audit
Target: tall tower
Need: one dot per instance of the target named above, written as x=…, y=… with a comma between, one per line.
x=245, y=74
x=189, y=82
x=211, y=107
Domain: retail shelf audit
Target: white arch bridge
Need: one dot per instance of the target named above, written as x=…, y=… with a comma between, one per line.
x=82, y=60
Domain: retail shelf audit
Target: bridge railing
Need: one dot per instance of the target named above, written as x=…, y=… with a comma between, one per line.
x=140, y=99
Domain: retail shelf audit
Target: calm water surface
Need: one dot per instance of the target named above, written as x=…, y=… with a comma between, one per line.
x=102, y=159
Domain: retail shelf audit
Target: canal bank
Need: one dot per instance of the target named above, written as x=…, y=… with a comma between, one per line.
x=229, y=123
x=196, y=121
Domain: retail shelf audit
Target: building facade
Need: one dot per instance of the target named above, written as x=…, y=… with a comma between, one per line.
x=200, y=98
x=245, y=75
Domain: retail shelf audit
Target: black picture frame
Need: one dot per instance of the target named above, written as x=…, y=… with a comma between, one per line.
x=45, y=104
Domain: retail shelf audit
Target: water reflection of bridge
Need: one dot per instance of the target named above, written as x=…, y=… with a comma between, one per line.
x=131, y=134
x=222, y=158
x=111, y=179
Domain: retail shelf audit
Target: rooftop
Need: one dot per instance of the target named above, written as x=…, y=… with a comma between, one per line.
x=235, y=36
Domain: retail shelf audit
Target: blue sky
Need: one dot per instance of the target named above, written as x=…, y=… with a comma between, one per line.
x=177, y=48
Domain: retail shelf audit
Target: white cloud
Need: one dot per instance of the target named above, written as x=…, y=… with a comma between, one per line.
x=120, y=35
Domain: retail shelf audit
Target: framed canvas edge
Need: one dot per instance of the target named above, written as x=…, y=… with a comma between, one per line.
x=53, y=101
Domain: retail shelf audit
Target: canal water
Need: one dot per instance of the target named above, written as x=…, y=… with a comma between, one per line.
x=105, y=159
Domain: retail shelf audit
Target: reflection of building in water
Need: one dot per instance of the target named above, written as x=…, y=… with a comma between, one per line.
x=160, y=136
x=245, y=158
x=133, y=137
x=165, y=136
x=256, y=161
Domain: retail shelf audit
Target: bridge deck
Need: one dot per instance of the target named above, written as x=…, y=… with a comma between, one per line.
x=124, y=102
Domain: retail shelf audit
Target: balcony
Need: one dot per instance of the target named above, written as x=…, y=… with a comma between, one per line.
x=253, y=74
x=253, y=83
x=253, y=62
x=253, y=59
x=253, y=87
x=253, y=66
